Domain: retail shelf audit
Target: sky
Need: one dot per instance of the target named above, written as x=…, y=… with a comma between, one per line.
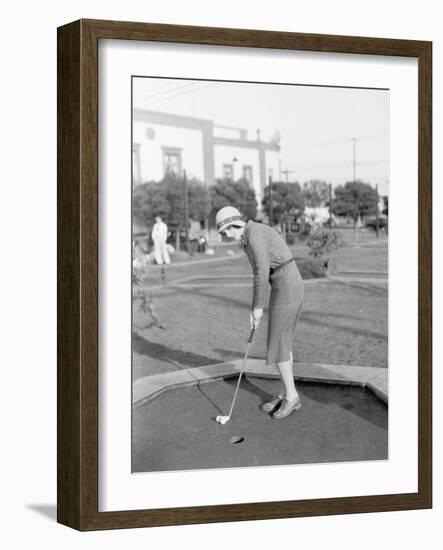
x=319, y=127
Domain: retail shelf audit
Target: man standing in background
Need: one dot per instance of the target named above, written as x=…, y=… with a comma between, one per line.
x=159, y=235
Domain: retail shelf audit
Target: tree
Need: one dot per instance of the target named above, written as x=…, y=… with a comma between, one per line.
x=233, y=193
x=355, y=199
x=166, y=199
x=199, y=200
x=287, y=200
x=316, y=193
x=148, y=201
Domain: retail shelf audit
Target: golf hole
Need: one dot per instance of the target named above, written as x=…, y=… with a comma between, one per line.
x=236, y=439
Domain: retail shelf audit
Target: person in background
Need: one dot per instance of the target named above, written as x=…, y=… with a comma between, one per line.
x=272, y=263
x=159, y=235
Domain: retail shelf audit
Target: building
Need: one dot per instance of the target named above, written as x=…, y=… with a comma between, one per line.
x=164, y=142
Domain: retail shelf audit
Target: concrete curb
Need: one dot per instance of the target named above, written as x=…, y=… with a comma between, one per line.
x=373, y=378
x=351, y=279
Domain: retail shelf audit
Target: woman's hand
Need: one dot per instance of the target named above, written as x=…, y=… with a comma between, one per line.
x=255, y=316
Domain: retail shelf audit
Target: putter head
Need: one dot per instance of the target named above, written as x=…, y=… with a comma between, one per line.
x=222, y=419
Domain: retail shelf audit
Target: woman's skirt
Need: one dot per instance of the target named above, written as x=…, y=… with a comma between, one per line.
x=285, y=304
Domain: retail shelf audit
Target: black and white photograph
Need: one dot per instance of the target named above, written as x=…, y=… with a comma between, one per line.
x=220, y=288
x=260, y=230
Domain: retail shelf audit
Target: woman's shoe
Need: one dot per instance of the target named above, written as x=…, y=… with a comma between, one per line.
x=286, y=408
x=271, y=405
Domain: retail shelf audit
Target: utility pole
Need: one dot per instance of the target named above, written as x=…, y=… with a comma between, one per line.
x=185, y=185
x=286, y=173
x=354, y=163
x=330, y=205
x=376, y=211
x=270, y=201
x=354, y=177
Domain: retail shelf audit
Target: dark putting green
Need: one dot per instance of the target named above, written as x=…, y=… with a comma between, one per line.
x=177, y=430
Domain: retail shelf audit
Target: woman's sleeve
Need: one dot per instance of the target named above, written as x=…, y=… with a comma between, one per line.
x=260, y=256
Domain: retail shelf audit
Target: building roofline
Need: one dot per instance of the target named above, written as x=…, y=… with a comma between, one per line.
x=246, y=143
x=193, y=123
x=169, y=119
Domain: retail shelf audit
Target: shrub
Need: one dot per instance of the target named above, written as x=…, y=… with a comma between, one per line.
x=143, y=302
x=290, y=238
x=313, y=268
x=323, y=241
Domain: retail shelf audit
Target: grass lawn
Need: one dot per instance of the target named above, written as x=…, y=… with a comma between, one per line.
x=354, y=256
x=368, y=258
x=299, y=249
x=342, y=322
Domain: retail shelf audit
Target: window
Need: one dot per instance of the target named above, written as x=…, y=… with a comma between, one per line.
x=228, y=171
x=247, y=174
x=172, y=162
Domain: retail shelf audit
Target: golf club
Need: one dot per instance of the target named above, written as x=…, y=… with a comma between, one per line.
x=224, y=419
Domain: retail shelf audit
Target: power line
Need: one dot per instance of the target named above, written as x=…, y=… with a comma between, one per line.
x=160, y=100
x=338, y=166
x=164, y=91
x=184, y=93
x=324, y=144
x=339, y=140
x=381, y=161
x=375, y=136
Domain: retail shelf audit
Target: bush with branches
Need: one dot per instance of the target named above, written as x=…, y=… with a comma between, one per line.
x=143, y=302
x=322, y=242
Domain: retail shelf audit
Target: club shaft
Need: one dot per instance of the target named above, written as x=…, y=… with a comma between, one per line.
x=239, y=378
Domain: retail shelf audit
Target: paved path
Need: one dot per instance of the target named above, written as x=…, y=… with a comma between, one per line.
x=209, y=259
x=200, y=281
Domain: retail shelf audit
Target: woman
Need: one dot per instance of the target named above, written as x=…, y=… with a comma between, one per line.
x=271, y=262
